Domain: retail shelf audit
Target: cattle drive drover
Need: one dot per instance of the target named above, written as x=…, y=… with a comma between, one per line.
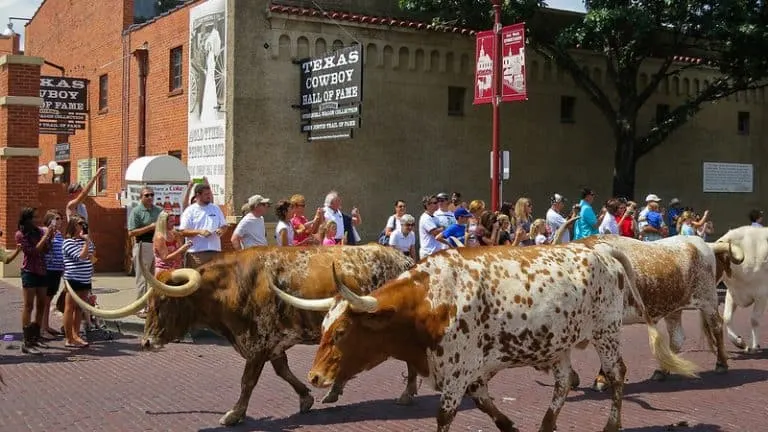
x=462, y=315
x=674, y=274
x=231, y=296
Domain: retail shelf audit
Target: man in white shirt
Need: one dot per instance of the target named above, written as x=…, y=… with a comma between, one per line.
x=333, y=212
x=555, y=218
x=204, y=223
x=429, y=229
x=251, y=231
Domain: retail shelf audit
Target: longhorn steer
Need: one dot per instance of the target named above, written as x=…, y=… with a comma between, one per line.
x=462, y=315
x=747, y=282
x=231, y=296
x=673, y=274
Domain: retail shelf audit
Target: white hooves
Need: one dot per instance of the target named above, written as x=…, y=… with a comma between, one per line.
x=330, y=397
x=231, y=418
x=752, y=350
x=739, y=343
x=405, y=399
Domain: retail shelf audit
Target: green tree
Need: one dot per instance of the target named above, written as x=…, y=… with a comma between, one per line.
x=730, y=36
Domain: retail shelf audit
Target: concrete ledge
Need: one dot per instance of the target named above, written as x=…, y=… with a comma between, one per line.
x=21, y=101
x=21, y=59
x=9, y=152
x=11, y=270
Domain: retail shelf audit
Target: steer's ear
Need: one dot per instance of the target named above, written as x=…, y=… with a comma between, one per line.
x=722, y=266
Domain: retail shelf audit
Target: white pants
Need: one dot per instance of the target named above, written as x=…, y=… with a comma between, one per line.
x=148, y=256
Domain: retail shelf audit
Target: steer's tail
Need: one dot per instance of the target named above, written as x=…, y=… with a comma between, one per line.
x=668, y=360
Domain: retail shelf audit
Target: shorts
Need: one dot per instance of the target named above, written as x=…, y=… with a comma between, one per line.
x=33, y=280
x=79, y=286
x=53, y=278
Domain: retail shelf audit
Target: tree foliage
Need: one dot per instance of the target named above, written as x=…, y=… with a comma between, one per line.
x=727, y=36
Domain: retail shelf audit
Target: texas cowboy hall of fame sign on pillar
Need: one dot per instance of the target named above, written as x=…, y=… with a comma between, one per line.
x=206, y=118
x=331, y=91
x=65, y=105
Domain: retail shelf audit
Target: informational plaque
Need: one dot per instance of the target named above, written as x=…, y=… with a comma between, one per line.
x=728, y=177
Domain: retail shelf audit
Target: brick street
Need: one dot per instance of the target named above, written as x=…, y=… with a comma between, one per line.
x=112, y=386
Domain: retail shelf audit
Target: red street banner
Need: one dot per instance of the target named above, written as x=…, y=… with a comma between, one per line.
x=485, y=57
x=513, y=87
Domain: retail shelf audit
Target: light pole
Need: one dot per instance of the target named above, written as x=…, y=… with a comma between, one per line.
x=496, y=82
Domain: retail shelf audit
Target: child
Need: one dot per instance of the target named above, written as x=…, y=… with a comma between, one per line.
x=328, y=232
x=539, y=231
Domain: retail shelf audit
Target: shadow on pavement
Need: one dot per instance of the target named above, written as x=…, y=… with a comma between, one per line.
x=380, y=409
x=679, y=427
x=120, y=345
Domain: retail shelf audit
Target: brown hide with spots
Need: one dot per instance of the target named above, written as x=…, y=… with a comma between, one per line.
x=235, y=300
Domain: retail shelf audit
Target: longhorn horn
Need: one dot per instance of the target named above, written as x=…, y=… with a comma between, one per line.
x=191, y=276
x=457, y=241
x=735, y=252
x=362, y=304
x=108, y=314
x=557, y=237
x=320, y=305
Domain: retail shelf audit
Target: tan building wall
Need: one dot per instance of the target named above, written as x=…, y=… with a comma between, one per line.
x=408, y=144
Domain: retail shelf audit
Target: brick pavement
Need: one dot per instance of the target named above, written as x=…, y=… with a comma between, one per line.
x=114, y=387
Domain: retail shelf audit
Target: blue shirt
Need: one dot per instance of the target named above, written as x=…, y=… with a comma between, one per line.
x=672, y=215
x=586, y=225
x=454, y=230
x=54, y=259
x=76, y=268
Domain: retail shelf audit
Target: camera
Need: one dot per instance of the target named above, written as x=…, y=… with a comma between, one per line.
x=85, y=227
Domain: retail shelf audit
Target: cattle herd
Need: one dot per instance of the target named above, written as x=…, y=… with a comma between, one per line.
x=462, y=315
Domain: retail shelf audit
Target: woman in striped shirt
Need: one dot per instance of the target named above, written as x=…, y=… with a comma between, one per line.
x=54, y=264
x=77, y=250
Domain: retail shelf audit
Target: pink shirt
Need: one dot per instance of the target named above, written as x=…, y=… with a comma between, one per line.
x=296, y=222
x=329, y=242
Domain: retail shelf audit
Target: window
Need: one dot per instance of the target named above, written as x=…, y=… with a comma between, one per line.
x=101, y=184
x=175, y=153
x=175, y=70
x=662, y=111
x=456, y=100
x=567, y=109
x=103, y=92
x=743, y=123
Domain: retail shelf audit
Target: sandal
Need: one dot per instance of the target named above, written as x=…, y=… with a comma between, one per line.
x=75, y=345
x=142, y=314
x=53, y=332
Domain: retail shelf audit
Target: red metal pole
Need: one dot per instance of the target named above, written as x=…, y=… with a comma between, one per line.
x=495, y=174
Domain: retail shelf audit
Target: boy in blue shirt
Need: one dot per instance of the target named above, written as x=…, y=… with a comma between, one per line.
x=457, y=230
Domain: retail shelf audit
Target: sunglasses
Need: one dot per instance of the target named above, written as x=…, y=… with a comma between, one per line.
x=410, y=224
x=432, y=202
x=149, y=195
x=299, y=205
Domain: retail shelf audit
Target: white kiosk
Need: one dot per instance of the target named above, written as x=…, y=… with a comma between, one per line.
x=166, y=175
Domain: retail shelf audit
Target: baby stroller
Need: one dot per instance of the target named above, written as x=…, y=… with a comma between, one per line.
x=95, y=328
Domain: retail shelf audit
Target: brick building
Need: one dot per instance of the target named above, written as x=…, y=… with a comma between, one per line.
x=420, y=131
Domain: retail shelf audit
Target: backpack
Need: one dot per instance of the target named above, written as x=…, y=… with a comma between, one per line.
x=383, y=237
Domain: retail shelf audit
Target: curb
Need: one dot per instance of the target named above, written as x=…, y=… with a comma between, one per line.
x=136, y=328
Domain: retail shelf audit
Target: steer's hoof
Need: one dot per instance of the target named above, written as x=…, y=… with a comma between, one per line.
x=659, y=375
x=330, y=397
x=752, y=350
x=575, y=380
x=405, y=399
x=599, y=385
x=721, y=369
x=231, y=418
x=305, y=403
x=739, y=343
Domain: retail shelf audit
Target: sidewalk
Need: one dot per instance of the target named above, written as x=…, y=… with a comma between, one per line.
x=114, y=291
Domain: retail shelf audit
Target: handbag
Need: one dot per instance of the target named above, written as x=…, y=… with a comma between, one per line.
x=383, y=237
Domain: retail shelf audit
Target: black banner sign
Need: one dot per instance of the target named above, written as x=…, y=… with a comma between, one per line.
x=61, y=152
x=331, y=90
x=65, y=104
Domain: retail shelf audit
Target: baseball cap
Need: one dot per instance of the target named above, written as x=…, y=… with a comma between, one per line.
x=256, y=200
x=674, y=201
x=443, y=196
x=652, y=198
x=557, y=198
x=461, y=212
x=74, y=187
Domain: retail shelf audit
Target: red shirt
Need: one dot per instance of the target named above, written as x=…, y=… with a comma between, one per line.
x=625, y=226
x=296, y=222
x=34, y=261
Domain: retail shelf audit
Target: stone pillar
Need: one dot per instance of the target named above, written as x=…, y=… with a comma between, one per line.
x=19, y=146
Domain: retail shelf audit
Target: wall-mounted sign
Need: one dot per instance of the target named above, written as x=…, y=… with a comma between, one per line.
x=331, y=90
x=65, y=104
x=728, y=177
x=61, y=152
x=512, y=57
